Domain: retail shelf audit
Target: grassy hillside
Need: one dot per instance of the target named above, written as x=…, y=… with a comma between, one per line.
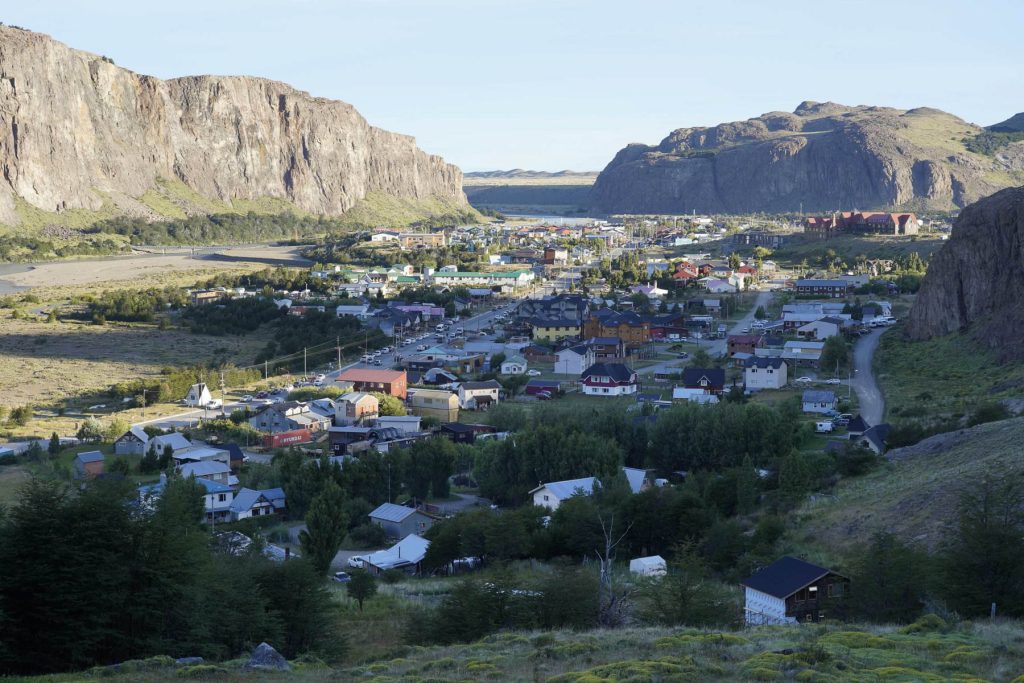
x=925, y=651
x=850, y=246
x=914, y=495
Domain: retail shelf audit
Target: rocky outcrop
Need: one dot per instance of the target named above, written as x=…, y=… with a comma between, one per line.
x=266, y=658
x=975, y=281
x=823, y=156
x=78, y=132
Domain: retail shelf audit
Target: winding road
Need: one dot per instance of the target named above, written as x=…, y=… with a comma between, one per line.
x=872, y=404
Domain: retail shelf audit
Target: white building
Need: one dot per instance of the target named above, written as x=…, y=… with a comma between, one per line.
x=516, y=365
x=553, y=494
x=694, y=395
x=820, y=329
x=790, y=591
x=761, y=372
x=198, y=396
x=819, y=401
x=575, y=359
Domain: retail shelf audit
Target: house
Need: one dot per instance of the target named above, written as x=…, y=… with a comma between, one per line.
x=831, y=289
x=217, y=499
x=398, y=521
x=406, y=555
x=651, y=290
x=552, y=495
x=465, y=433
x=537, y=386
x=236, y=457
x=198, y=396
x=349, y=440
x=711, y=380
x=648, y=566
x=873, y=438
x=200, y=454
x=607, y=348
x=354, y=407
x=803, y=353
x=631, y=328
x=175, y=440
x=573, y=360
x=699, y=396
x=212, y=470
x=821, y=329
x=133, y=442
x=744, y=343
x=761, y=372
x=516, y=365
x=718, y=286
x=857, y=426
x=819, y=401
x=564, y=306
x=88, y=465
x=390, y=382
x=790, y=591
x=289, y=416
x=608, y=379
x=479, y=395
x=251, y=503
x=638, y=480
x=406, y=424
x=444, y=405
x=553, y=330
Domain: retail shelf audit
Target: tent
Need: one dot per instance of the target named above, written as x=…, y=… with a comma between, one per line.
x=648, y=566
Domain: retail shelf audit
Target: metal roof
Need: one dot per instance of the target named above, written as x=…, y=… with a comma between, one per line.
x=389, y=512
x=785, y=576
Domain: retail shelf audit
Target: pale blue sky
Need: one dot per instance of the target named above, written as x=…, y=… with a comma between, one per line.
x=553, y=84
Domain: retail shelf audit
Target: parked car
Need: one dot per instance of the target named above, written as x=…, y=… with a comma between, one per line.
x=247, y=399
x=543, y=395
x=377, y=362
x=356, y=561
x=683, y=355
x=833, y=380
x=803, y=380
x=533, y=373
x=214, y=404
x=342, y=577
x=262, y=395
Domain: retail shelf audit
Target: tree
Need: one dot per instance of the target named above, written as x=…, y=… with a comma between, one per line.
x=114, y=430
x=54, y=447
x=835, y=356
x=612, y=600
x=734, y=261
x=326, y=527
x=700, y=359
x=890, y=579
x=390, y=405
x=167, y=457
x=760, y=313
x=90, y=431
x=21, y=415
x=150, y=461
x=361, y=586
x=686, y=595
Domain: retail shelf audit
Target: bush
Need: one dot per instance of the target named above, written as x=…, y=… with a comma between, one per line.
x=988, y=412
x=392, y=576
x=368, y=536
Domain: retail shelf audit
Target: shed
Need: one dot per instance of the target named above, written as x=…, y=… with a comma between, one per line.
x=648, y=566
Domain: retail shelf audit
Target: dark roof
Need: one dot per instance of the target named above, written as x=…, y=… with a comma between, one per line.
x=487, y=384
x=235, y=451
x=715, y=376
x=544, y=383
x=617, y=371
x=877, y=435
x=858, y=424
x=785, y=576
x=763, y=362
x=458, y=428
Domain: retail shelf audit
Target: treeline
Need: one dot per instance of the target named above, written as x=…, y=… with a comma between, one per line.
x=232, y=316
x=226, y=228
x=292, y=334
x=988, y=142
x=90, y=578
x=173, y=383
x=128, y=305
x=271, y=280
x=16, y=248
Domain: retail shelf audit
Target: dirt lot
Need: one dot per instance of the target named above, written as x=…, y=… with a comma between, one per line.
x=44, y=362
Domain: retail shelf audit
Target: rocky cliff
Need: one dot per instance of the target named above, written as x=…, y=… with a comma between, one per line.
x=823, y=156
x=975, y=281
x=78, y=132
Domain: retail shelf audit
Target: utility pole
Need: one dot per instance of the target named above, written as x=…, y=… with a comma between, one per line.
x=223, y=398
x=144, y=403
x=303, y=362
x=266, y=370
x=337, y=341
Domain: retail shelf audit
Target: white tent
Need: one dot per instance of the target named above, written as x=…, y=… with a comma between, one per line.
x=648, y=566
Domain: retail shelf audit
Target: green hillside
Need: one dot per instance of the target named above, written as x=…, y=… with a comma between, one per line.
x=927, y=650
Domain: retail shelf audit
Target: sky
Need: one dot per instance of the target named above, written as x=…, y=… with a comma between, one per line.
x=564, y=84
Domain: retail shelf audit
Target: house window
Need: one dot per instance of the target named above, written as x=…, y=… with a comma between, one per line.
x=222, y=497
x=545, y=497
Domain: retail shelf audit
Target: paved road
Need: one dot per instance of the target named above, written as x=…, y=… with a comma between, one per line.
x=719, y=347
x=872, y=404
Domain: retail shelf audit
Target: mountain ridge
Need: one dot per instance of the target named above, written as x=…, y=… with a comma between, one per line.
x=823, y=156
x=78, y=133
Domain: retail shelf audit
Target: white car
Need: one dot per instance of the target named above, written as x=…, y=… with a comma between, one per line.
x=356, y=561
x=803, y=380
x=832, y=380
x=533, y=373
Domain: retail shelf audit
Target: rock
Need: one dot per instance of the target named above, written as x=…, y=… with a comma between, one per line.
x=78, y=132
x=188, y=661
x=266, y=658
x=974, y=282
x=823, y=157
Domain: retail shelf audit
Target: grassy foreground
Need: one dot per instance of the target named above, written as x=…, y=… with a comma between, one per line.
x=928, y=650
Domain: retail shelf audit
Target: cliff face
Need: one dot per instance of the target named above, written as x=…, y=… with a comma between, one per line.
x=975, y=281
x=78, y=132
x=823, y=156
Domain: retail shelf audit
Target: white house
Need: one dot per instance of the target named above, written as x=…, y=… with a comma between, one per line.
x=820, y=329
x=553, y=494
x=574, y=360
x=252, y=503
x=717, y=286
x=133, y=442
x=694, y=395
x=516, y=365
x=406, y=424
x=405, y=555
x=176, y=440
x=478, y=395
x=819, y=401
x=361, y=311
x=648, y=566
x=790, y=591
x=384, y=236
x=198, y=396
x=211, y=470
x=761, y=372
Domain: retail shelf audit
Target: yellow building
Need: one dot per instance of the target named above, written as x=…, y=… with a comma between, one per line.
x=444, y=405
x=554, y=330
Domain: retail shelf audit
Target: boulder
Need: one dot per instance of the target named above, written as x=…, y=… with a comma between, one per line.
x=266, y=658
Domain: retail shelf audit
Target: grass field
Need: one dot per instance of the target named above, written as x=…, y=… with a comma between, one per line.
x=944, y=377
x=850, y=246
x=929, y=651
x=916, y=494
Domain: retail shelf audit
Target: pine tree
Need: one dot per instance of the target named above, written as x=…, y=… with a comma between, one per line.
x=326, y=527
x=54, y=447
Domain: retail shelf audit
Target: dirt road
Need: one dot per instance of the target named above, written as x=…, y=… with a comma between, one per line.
x=872, y=404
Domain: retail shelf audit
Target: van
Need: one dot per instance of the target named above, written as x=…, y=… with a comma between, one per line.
x=439, y=328
x=823, y=427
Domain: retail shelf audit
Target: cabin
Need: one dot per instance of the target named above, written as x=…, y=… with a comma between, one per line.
x=398, y=521
x=133, y=442
x=198, y=396
x=711, y=380
x=791, y=591
x=88, y=465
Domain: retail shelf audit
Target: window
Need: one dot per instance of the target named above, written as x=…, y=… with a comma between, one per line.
x=222, y=497
x=545, y=497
